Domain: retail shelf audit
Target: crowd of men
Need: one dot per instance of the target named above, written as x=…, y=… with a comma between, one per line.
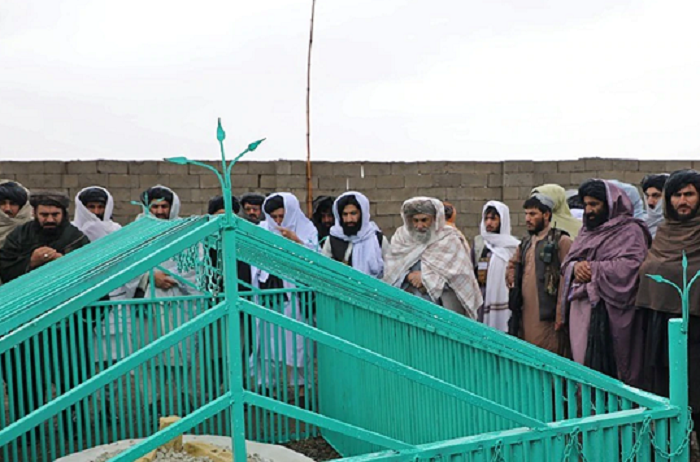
x=575, y=285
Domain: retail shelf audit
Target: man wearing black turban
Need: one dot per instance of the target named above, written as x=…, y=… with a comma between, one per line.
x=251, y=207
x=162, y=202
x=323, y=215
x=216, y=205
x=95, y=200
x=15, y=209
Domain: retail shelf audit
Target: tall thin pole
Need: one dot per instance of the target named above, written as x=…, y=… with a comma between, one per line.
x=309, y=189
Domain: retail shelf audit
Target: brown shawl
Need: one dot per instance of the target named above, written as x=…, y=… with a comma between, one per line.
x=665, y=259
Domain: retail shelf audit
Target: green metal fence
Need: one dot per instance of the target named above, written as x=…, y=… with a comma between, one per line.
x=379, y=373
x=381, y=369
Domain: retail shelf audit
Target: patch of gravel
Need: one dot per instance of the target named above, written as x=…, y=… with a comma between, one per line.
x=316, y=448
x=168, y=455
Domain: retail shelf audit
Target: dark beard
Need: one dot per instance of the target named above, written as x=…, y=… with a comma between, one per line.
x=50, y=232
x=255, y=221
x=676, y=216
x=538, y=229
x=596, y=220
x=350, y=230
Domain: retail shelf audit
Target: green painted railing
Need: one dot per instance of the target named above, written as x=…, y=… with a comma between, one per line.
x=379, y=373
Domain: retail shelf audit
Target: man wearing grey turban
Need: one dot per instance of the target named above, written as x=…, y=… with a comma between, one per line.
x=431, y=260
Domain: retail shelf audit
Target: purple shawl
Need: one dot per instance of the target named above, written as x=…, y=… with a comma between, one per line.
x=615, y=250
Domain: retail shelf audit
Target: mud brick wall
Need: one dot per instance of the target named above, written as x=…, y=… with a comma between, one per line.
x=468, y=185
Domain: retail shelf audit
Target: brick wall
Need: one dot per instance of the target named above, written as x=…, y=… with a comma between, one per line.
x=466, y=184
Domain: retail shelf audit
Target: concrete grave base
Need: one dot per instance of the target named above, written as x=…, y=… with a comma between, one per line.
x=264, y=451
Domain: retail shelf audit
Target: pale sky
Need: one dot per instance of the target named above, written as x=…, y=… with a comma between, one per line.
x=393, y=80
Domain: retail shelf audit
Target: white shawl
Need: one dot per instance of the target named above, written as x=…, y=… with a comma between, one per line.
x=89, y=223
x=294, y=220
x=503, y=247
x=366, y=251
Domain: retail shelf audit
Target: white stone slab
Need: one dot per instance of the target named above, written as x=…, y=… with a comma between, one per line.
x=265, y=451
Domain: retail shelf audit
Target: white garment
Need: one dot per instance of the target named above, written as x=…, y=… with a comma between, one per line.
x=90, y=224
x=366, y=251
x=119, y=319
x=502, y=247
x=266, y=356
x=168, y=318
x=655, y=217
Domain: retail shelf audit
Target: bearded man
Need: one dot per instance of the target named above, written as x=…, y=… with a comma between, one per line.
x=493, y=249
x=534, y=276
x=653, y=187
x=15, y=209
x=429, y=259
x=680, y=232
x=251, y=207
x=600, y=283
x=93, y=213
x=322, y=216
x=45, y=239
x=354, y=239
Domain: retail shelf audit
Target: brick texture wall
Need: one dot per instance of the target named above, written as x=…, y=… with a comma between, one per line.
x=466, y=184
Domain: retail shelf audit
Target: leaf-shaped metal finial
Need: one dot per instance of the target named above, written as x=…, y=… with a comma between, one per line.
x=178, y=160
x=220, y=133
x=661, y=279
x=253, y=146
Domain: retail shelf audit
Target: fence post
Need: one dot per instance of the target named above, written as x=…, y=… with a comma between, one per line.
x=678, y=366
x=229, y=255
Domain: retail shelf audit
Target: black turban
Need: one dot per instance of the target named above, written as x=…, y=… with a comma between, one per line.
x=348, y=200
x=14, y=193
x=679, y=180
x=654, y=181
x=217, y=203
x=595, y=189
x=93, y=195
x=322, y=204
x=252, y=199
x=55, y=199
x=274, y=203
x=157, y=193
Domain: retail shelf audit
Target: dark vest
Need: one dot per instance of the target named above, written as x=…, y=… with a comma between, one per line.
x=339, y=247
x=548, y=273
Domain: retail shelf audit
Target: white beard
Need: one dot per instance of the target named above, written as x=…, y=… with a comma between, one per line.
x=423, y=238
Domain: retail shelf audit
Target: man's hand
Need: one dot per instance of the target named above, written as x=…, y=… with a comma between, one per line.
x=289, y=234
x=582, y=272
x=163, y=281
x=415, y=279
x=43, y=255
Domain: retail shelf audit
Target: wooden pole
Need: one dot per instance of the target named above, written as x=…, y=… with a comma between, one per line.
x=309, y=188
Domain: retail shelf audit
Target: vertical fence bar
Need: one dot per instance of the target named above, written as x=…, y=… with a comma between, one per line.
x=678, y=387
